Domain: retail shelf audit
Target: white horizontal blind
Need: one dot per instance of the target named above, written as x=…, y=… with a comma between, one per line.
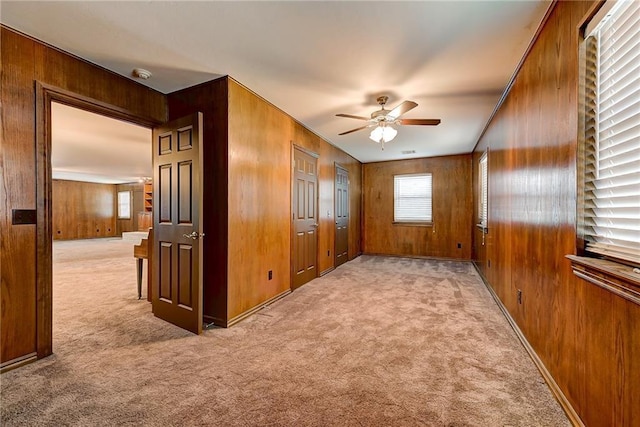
x=484, y=192
x=412, y=198
x=612, y=190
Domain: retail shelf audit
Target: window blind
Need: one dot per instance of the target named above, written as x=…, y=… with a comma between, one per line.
x=412, y=198
x=124, y=204
x=612, y=134
x=484, y=192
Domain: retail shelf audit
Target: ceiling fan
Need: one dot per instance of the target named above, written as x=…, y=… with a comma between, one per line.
x=382, y=119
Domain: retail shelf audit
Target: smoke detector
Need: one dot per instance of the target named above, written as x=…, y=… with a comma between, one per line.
x=141, y=73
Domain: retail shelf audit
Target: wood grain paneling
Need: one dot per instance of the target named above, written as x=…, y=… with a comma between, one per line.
x=586, y=336
x=25, y=274
x=259, y=200
x=452, y=209
x=17, y=167
x=83, y=210
x=247, y=146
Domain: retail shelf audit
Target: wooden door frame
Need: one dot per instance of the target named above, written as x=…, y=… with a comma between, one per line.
x=337, y=165
x=295, y=147
x=45, y=95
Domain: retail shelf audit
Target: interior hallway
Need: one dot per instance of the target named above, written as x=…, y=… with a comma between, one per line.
x=379, y=341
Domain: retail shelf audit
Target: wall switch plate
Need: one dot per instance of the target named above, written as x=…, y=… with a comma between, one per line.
x=23, y=216
x=270, y=274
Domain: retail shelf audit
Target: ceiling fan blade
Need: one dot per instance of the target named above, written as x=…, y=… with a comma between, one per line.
x=354, y=130
x=351, y=116
x=424, y=122
x=401, y=109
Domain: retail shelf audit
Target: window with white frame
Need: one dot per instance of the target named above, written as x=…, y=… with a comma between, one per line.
x=412, y=198
x=124, y=204
x=483, y=199
x=609, y=197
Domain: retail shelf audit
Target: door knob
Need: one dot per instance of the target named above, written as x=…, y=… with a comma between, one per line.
x=194, y=235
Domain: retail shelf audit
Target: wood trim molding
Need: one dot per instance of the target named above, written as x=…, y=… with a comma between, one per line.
x=327, y=271
x=435, y=258
x=18, y=362
x=617, y=278
x=258, y=307
x=573, y=416
x=44, y=95
x=305, y=150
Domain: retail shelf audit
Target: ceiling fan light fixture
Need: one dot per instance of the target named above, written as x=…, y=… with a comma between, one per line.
x=383, y=134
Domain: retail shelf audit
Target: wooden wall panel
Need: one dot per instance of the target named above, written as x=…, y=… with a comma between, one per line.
x=452, y=209
x=17, y=191
x=586, y=337
x=83, y=210
x=25, y=61
x=259, y=200
x=260, y=144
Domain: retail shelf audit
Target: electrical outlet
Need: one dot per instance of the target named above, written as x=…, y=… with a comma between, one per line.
x=519, y=296
x=270, y=274
x=459, y=245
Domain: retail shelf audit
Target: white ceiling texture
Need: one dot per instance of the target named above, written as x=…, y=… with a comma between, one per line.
x=312, y=59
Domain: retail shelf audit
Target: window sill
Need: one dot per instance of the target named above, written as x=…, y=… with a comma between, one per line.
x=413, y=224
x=612, y=276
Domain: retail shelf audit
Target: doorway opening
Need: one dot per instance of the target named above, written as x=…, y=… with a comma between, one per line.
x=101, y=170
x=49, y=102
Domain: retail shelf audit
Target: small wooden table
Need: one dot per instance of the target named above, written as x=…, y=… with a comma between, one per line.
x=141, y=252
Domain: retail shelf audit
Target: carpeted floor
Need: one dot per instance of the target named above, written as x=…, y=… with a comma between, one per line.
x=378, y=342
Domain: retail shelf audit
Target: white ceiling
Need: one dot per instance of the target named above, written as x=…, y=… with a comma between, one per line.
x=313, y=59
x=93, y=148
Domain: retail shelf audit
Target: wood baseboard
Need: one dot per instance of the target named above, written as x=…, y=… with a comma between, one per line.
x=18, y=362
x=418, y=257
x=328, y=270
x=573, y=416
x=258, y=307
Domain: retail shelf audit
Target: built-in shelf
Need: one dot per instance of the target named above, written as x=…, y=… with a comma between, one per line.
x=148, y=197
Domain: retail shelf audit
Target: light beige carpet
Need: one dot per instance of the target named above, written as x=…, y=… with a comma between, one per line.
x=378, y=342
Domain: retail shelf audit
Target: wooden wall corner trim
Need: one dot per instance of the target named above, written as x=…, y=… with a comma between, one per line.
x=572, y=415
